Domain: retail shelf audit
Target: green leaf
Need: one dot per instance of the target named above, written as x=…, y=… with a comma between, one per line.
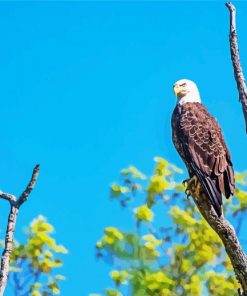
x=60, y=277
x=133, y=172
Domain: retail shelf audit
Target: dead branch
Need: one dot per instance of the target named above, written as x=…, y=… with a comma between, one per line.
x=29, y=187
x=238, y=72
x=15, y=204
x=221, y=226
x=226, y=233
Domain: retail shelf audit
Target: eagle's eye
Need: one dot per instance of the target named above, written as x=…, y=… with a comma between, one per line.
x=184, y=84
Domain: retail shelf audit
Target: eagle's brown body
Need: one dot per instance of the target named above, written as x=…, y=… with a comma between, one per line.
x=199, y=141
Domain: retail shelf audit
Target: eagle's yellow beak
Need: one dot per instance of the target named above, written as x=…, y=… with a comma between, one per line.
x=180, y=90
x=177, y=90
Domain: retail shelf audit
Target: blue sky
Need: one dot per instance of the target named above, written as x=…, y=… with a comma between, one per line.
x=86, y=90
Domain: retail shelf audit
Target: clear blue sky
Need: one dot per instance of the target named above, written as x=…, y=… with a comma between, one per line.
x=86, y=89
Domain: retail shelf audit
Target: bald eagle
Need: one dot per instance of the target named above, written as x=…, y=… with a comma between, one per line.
x=199, y=141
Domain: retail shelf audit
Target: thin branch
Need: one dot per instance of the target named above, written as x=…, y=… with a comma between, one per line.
x=238, y=72
x=9, y=237
x=221, y=226
x=226, y=233
x=29, y=187
x=11, y=198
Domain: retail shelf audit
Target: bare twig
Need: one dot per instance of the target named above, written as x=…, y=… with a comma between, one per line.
x=11, y=198
x=226, y=233
x=9, y=237
x=29, y=187
x=238, y=72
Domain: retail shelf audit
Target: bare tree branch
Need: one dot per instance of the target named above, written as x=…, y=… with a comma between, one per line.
x=11, y=198
x=226, y=233
x=238, y=72
x=9, y=237
x=221, y=226
x=29, y=187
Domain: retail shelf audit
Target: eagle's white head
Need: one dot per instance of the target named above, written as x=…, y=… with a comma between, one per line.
x=186, y=91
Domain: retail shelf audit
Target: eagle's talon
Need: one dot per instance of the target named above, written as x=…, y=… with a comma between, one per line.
x=193, y=181
x=190, y=185
x=185, y=182
x=187, y=192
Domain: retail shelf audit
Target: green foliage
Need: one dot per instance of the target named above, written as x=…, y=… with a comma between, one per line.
x=183, y=257
x=144, y=213
x=33, y=263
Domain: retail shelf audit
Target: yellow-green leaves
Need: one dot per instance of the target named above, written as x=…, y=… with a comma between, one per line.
x=99, y=244
x=194, y=287
x=171, y=249
x=164, y=168
x=117, y=190
x=36, y=293
x=39, y=256
x=133, y=172
x=182, y=217
x=120, y=277
x=227, y=263
x=53, y=286
x=112, y=234
x=40, y=225
x=219, y=285
x=204, y=255
x=151, y=239
x=161, y=168
x=144, y=213
x=158, y=184
x=162, y=180
x=241, y=178
x=150, y=244
x=113, y=292
x=130, y=183
x=111, y=237
x=157, y=281
x=39, y=236
x=240, y=193
x=60, y=277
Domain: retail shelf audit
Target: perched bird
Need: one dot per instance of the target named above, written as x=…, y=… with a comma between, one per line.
x=199, y=141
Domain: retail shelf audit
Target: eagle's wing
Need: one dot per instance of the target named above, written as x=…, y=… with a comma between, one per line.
x=205, y=150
